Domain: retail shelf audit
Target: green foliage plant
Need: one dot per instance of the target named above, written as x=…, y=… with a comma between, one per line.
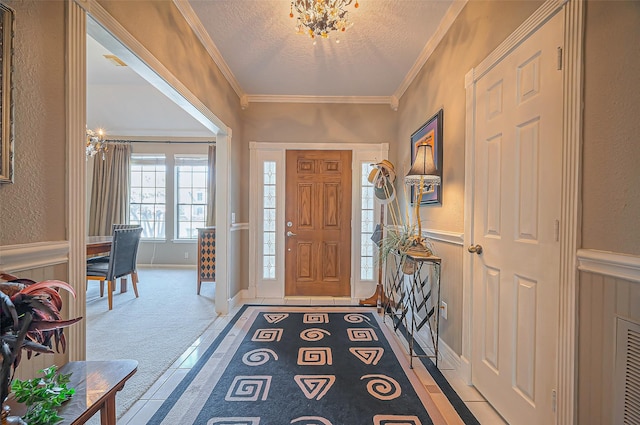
x=43, y=396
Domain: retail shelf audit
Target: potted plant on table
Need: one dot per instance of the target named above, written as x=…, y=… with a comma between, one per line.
x=30, y=320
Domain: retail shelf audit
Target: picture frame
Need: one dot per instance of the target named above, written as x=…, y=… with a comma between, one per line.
x=6, y=94
x=432, y=132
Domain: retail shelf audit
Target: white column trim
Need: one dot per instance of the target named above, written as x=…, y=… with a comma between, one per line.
x=611, y=264
x=76, y=113
x=15, y=258
x=570, y=212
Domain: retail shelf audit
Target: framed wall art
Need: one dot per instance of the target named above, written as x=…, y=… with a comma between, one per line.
x=431, y=133
x=6, y=107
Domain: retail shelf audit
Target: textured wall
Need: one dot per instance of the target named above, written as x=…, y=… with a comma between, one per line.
x=33, y=208
x=480, y=28
x=611, y=175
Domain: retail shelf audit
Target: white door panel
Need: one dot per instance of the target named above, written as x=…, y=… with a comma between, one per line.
x=518, y=135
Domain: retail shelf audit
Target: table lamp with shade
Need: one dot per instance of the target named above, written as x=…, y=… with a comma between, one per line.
x=424, y=178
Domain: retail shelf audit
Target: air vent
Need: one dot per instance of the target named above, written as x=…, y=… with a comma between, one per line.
x=115, y=60
x=627, y=373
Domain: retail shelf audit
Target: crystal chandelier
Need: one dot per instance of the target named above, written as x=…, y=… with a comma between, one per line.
x=318, y=18
x=95, y=143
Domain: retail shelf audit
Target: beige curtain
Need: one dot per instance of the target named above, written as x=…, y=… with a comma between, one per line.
x=211, y=199
x=110, y=189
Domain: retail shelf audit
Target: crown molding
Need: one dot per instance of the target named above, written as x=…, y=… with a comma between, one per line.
x=446, y=22
x=379, y=100
x=196, y=25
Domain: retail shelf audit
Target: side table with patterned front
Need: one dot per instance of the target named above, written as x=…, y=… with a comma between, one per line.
x=206, y=255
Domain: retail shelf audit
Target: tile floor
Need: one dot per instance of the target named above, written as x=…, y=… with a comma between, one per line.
x=142, y=410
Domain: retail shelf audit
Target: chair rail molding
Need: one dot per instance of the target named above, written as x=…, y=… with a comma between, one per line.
x=15, y=258
x=454, y=238
x=613, y=264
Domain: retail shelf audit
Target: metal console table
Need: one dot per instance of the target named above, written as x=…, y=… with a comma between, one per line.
x=413, y=304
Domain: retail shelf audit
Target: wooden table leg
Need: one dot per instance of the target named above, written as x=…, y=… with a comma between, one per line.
x=108, y=411
x=123, y=284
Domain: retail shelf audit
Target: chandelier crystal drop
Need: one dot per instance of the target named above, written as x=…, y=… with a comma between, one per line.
x=317, y=18
x=95, y=143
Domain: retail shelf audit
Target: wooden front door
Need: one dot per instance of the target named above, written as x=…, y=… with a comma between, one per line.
x=318, y=223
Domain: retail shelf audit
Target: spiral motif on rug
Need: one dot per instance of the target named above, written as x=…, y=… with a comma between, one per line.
x=355, y=318
x=314, y=356
x=311, y=420
x=362, y=334
x=267, y=335
x=396, y=420
x=314, y=334
x=382, y=387
x=259, y=357
x=315, y=318
x=249, y=388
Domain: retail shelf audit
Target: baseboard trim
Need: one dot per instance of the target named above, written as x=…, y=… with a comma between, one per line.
x=621, y=266
x=15, y=258
x=237, y=298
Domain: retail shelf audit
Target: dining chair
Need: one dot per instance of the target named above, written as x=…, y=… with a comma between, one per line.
x=105, y=258
x=122, y=262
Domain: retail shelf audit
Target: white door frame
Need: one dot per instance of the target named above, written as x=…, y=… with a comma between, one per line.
x=570, y=197
x=139, y=58
x=274, y=151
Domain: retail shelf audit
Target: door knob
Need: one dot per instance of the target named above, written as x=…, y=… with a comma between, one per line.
x=475, y=249
x=290, y=233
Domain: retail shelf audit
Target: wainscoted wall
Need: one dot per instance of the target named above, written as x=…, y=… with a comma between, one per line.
x=448, y=246
x=29, y=367
x=609, y=286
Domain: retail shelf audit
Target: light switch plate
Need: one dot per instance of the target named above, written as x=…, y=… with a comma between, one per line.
x=443, y=310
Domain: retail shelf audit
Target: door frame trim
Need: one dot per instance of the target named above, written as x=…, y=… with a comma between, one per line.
x=375, y=152
x=570, y=193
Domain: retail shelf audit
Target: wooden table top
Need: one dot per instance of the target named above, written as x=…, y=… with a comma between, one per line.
x=94, y=382
x=98, y=244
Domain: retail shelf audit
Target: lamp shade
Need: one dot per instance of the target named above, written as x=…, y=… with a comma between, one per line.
x=423, y=168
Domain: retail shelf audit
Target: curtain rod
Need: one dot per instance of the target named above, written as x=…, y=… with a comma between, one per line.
x=211, y=142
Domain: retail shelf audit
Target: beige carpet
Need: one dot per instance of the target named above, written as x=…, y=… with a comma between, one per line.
x=154, y=329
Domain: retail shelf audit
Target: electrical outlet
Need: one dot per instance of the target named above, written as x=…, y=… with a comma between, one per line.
x=186, y=255
x=443, y=310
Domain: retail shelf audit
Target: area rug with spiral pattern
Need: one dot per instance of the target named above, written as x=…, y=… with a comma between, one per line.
x=276, y=365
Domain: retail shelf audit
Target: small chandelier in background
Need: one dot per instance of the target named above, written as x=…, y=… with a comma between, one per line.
x=95, y=143
x=318, y=18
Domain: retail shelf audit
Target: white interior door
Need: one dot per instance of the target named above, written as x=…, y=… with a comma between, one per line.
x=517, y=183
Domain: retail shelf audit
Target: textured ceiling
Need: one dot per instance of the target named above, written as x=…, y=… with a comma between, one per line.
x=255, y=44
x=258, y=42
